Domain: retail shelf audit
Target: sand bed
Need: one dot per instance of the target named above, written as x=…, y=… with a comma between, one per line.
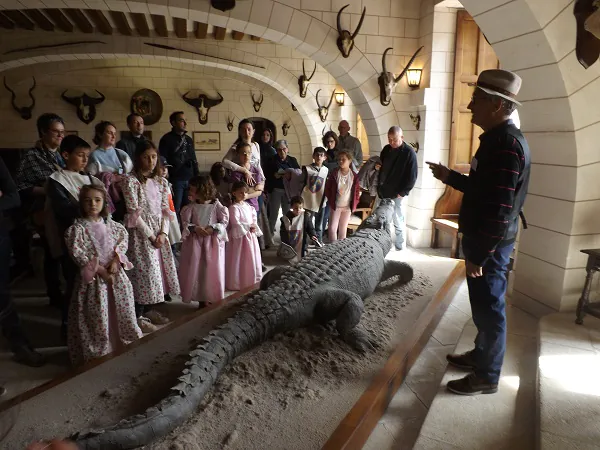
x=289, y=393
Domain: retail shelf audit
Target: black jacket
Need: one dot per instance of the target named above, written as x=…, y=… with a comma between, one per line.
x=308, y=231
x=129, y=144
x=398, y=173
x=179, y=152
x=273, y=167
x=10, y=197
x=494, y=191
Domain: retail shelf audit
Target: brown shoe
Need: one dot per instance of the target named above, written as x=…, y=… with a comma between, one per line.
x=464, y=361
x=471, y=385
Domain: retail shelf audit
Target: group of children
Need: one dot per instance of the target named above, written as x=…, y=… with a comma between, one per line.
x=118, y=272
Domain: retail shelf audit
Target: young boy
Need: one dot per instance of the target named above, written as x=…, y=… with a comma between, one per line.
x=62, y=207
x=315, y=176
x=297, y=228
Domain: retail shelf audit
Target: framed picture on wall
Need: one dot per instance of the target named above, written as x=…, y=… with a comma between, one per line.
x=69, y=133
x=207, y=141
x=127, y=134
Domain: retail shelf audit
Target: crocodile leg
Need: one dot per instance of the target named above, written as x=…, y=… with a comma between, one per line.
x=397, y=268
x=346, y=308
x=272, y=276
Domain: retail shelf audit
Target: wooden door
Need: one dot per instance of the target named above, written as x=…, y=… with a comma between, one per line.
x=473, y=55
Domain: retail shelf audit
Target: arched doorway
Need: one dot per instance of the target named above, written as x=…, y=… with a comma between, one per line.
x=260, y=125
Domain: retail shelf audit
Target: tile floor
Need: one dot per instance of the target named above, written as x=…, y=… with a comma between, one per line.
x=418, y=415
x=569, y=383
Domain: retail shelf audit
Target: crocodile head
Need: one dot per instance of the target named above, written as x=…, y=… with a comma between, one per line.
x=377, y=225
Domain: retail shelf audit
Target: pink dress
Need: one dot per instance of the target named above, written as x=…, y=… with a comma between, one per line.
x=202, y=260
x=243, y=260
x=100, y=315
x=154, y=274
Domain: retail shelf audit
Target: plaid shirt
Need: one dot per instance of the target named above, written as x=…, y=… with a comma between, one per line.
x=36, y=165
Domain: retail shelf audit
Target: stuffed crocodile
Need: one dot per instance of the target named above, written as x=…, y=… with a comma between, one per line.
x=328, y=284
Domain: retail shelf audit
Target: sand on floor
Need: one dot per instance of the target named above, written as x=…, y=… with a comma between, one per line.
x=289, y=393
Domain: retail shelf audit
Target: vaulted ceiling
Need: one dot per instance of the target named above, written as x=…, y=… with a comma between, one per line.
x=113, y=22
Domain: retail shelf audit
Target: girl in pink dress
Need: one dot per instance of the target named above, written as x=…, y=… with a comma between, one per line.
x=102, y=311
x=154, y=275
x=243, y=260
x=202, y=260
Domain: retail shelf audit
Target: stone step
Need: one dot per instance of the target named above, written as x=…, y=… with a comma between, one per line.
x=505, y=420
x=569, y=383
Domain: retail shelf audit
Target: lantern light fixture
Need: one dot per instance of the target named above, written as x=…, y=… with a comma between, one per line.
x=413, y=77
x=339, y=98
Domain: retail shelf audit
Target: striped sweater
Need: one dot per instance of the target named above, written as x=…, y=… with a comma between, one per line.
x=494, y=191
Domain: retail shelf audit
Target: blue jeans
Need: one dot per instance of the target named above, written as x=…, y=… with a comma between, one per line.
x=321, y=219
x=486, y=295
x=398, y=220
x=180, y=194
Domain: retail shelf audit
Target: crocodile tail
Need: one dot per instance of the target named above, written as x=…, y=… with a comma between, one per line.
x=246, y=329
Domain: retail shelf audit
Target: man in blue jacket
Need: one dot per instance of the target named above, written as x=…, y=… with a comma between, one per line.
x=494, y=194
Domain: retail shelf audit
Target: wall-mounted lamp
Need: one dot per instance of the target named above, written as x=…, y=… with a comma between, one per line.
x=339, y=98
x=413, y=77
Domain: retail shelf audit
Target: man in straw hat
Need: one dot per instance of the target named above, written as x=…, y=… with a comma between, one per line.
x=494, y=193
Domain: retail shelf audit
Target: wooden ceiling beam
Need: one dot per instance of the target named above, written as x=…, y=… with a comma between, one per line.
x=100, y=21
x=160, y=25
x=255, y=38
x=201, y=30
x=60, y=20
x=219, y=33
x=141, y=24
x=121, y=22
x=40, y=19
x=80, y=20
x=20, y=19
x=237, y=35
x=5, y=22
x=180, y=26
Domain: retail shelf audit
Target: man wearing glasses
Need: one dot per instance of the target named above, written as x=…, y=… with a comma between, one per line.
x=36, y=165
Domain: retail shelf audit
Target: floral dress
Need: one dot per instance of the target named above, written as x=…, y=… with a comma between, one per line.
x=101, y=315
x=154, y=274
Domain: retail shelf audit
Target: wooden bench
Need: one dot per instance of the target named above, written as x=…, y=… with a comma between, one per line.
x=445, y=219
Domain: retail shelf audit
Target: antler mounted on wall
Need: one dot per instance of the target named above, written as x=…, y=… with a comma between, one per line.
x=256, y=104
x=387, y=81
x=284, y=128
x=587, y=16
x=86, y=105
x=416, y=120
x=25, y=111
x=325, y=130
x=345, y=40
x=202, y=103
x=229, y=123
x=323, y=110
x=304, y=81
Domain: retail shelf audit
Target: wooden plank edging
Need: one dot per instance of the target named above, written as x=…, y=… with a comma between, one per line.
x=354, y=429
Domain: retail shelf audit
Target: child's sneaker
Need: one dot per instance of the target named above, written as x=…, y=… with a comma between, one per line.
x=145, y=325
x=157, y=318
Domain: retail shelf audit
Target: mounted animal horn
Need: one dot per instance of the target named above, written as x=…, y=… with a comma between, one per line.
x=229, y=123
x=24, y=111
x=285, y=127
x=202, y=103
x=345, y=40
x=86, y=105
x=387, y=81
x=304, y=81
x=323, y=110
x=324, y=128
x=257, y=103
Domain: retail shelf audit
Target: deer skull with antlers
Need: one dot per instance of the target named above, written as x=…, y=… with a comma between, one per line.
x=324, y=110
x=24, y=111
x=257, y=103
x=387, y=81
x=229, y=123
x=86, y=105
x=202, y=104
x=345, y=40
x=304, y=81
